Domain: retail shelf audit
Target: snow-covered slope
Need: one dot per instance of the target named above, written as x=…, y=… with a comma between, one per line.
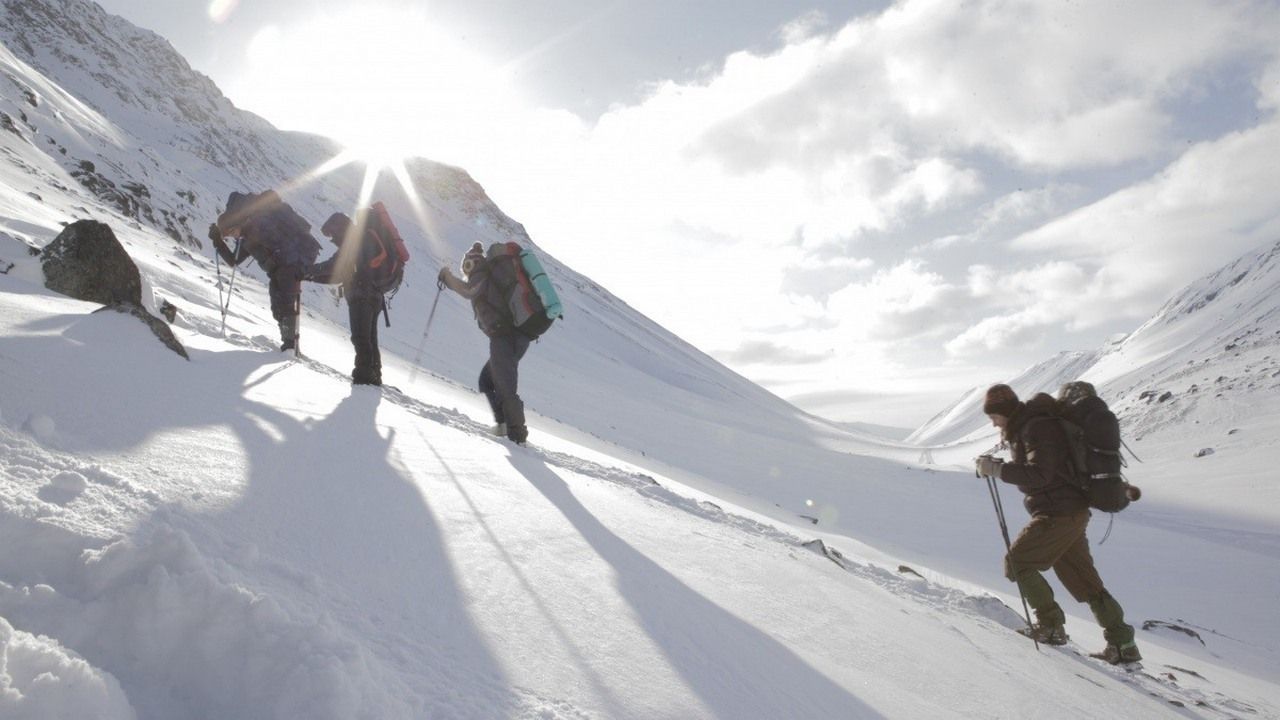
x=958, y=421
x=246, y=535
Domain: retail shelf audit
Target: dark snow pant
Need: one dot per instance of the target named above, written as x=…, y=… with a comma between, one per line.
x=498, y=381
x=363, y=313
x=1059, y=542
x=285, y=289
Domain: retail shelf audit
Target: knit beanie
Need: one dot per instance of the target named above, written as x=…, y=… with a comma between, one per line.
x=1001, y=400
x=473, y=259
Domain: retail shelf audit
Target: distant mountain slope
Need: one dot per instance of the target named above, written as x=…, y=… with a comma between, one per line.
x=965, y=416
x=1215, y=343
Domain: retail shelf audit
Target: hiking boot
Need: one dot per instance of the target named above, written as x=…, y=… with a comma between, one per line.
x=1047, y=634
x=517, y=434
x=288, y=333
x=1119, y=654
x=498, y=430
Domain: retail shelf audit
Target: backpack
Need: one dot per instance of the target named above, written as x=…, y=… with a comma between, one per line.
x=531, y=299
x=285, y=233
x=386, y=267
x=1093, y=441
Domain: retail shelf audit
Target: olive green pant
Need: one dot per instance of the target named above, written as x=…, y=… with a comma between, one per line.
x=1060, y=543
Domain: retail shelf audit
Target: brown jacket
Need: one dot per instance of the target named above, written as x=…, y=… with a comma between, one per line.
x=1041, y=464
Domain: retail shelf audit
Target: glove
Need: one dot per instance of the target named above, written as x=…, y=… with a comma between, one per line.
x=988, y=466
x=214, y=233
x=444, y=273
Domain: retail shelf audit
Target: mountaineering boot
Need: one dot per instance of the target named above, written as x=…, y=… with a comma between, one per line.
x=1047, y=634
x=361, y=376
x=498, y=430
x=517, y=434
x=1119, y=654
x=288, y=333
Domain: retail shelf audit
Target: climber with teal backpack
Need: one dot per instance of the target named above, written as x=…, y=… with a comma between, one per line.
x=514, y=303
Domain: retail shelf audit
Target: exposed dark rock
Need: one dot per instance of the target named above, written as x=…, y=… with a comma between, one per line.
x=1168, y=395
x=105, y=189
x=7, y=123
x=1158, y=624
x=908, y=570
x=87, y=262
x=169, y=311
x=158, y=326
x=1204, y=452
x=826, y=551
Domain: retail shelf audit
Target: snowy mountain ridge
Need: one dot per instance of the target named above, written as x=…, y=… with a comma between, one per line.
x=1230, y=318
x=957, y=421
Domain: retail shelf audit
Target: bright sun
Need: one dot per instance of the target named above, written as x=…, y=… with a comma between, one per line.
x=387, y=84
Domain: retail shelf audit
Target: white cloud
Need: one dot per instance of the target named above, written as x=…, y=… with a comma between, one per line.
x=982, y=281
x=896, y=303
x=1215, y=202
x=1269, y=87
x=999, y=333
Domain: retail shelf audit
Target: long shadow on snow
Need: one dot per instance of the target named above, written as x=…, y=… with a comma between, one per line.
x=330, y=516
x=327, y=500
x=737, y=670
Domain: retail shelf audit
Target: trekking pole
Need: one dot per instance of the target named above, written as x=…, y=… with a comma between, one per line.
x=1004, y=532
x=217, y=266
x=297, y=322
x=413, y=374
x=231, y=286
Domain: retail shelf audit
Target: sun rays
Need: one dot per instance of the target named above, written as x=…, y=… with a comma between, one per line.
x=374, y=169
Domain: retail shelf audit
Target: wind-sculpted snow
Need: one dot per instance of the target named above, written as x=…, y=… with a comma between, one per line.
x=156, y=611
x=41, y=680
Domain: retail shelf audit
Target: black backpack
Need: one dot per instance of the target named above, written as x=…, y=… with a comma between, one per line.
x=1093, y=441
x=286, y=233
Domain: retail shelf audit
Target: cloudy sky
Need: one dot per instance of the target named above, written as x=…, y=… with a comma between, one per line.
x=867, y=207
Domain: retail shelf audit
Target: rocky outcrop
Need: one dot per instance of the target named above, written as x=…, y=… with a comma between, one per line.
x=87, y=262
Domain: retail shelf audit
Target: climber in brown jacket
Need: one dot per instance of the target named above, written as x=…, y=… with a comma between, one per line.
x=1055, y=538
